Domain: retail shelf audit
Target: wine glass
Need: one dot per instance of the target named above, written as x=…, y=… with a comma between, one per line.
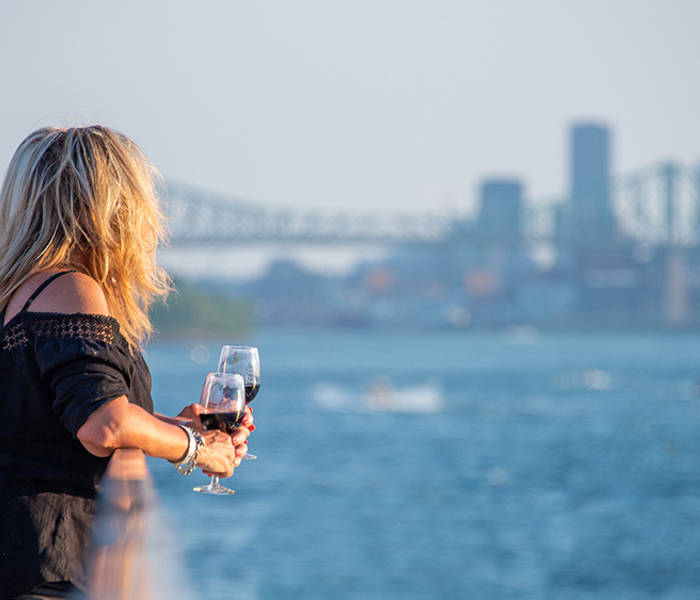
x=223, y=407
x=245, y=361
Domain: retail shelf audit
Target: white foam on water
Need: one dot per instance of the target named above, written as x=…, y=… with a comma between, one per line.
x=381, y=396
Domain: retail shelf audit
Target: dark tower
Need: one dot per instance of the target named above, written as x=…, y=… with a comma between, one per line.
x=591, y=210
x=501, y=205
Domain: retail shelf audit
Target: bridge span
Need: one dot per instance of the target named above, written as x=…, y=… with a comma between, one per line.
x=657, y=205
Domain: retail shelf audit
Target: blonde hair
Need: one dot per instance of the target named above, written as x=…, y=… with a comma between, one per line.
x=85, y=198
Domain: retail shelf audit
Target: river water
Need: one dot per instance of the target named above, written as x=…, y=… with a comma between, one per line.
x=446, y=465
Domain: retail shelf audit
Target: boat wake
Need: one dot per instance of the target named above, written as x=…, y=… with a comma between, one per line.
x=380, y=396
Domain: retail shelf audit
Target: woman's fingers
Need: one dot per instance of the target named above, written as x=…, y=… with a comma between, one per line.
x=247, y=421
x=192, y=412
x=240, y=435
x=241, y=450
x=215, y=436
x=219, y=455
x=224, y=452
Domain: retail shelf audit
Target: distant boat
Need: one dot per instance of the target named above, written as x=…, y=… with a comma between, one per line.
x=520, y=334
x=381, y=396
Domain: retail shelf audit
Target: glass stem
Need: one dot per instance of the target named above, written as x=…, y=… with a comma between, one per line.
x=214, y=483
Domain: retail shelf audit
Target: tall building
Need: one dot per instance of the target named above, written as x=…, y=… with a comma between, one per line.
x=591, y=210
x=501, y=207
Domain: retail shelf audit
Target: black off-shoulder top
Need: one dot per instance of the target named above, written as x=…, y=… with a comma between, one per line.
x=55, y=371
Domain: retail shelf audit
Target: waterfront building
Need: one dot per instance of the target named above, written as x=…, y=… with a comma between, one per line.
x=589, y=183
x=501, y=208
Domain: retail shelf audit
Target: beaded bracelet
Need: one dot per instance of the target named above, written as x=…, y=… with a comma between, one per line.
x=194, y=442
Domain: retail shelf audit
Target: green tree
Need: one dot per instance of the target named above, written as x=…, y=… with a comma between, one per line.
x=191, y=311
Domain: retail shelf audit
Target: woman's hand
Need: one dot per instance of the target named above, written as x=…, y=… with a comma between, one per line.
x=217, y=456
x=192, y=413
x=238, y=438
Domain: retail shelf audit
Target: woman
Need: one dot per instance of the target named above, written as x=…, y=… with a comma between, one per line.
x=79, y=227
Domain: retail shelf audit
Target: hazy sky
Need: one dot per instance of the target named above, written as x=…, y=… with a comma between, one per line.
x=369, y=104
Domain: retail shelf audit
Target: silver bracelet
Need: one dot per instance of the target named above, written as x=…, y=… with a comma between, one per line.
x=195, y=441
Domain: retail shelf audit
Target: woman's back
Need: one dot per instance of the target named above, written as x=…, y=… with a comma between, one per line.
x=79, y=227
x=56, y=368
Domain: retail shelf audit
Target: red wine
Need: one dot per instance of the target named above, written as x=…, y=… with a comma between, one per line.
x=226, y=422
x=251, y=390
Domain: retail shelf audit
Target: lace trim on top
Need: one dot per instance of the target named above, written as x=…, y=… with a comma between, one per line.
x=98, y=328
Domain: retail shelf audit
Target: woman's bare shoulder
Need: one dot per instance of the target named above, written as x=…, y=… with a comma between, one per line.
x=71, y=293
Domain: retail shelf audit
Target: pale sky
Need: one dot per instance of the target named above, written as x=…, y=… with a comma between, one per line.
x=366, y=104
x=363, y=103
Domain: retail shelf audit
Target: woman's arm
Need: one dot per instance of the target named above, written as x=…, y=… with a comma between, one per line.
x=171, y=420
x=190, y=415
x=191, y=412
x=119, y=424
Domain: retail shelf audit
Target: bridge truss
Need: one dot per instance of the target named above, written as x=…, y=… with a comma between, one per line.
x=658, y=205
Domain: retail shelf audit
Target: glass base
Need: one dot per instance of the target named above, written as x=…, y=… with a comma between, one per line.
x=217, y=490
x=250, y=457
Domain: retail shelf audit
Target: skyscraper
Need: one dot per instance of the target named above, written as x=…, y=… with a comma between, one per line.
x=589, y=188
x=501, y=205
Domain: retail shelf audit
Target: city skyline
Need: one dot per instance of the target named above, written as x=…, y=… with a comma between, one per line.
x=604, y=272
x=375, y=105
x=587, y=209
x=587, y=202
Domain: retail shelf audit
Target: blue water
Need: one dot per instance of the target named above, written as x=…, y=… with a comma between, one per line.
x=564, y=466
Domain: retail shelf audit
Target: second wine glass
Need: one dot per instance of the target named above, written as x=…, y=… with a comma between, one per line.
x=244, y=361
x=223, y=407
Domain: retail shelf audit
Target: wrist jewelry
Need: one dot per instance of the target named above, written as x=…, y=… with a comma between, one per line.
x=194, y=442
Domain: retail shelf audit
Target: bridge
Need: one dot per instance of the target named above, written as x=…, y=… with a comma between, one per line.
x=657, y=205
